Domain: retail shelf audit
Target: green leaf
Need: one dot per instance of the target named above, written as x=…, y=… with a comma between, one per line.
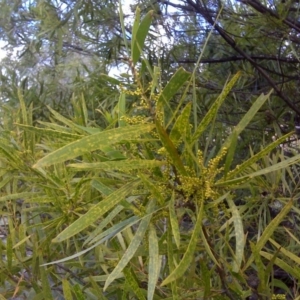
x=171, y=262
x=181, y=125
x=294, y=271
x=230, y=154
x=155, y=192
x=93, y=142
x=283, y=164
x=176, y=82
x=121, y=109
x=133, y=284
x=78, y=292
x=123, y=165
x=206, y=276
x=66, y=121
x=23, y=195
x=272, y=226
x=170, y=148
x=174, y=221
x=154, y=262
x=286, y=252
x=257, y=156
x=135, y=28
x=214, y=108
x=96, y=212
x=239, y=235
x=67, y=289
x=45, y=281
x=246, y=119
x=139, y=35
x=129, y=253
x=51, y=133
x=189, y=253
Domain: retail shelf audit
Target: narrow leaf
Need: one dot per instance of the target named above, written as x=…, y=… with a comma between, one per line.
x=270, y=229
x=67, y=289
x=174, y=221
x=176, y=82
x=247, y=118
x=133, y=284
x=125, y=165
x=96, y=212
x=182, y=123
x=214, y=108
x=239, y=235
x=154, y=262
x=93, y=142
x=294, y=271
x=170, y=148
x=189, y=254
x=129, y=253
x=138, y=40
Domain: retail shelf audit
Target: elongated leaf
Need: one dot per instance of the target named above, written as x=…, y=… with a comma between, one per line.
x=174, y=221
x=171, y=262
x=189, y=253
x=273, y=225
x=96, y=212
x=176, y=82
x=133, y=284
x=78, y=292
x=206, y=276
x=270, y=229
x=138, y=39
x=45, y=281
x=112, y=231
x=170, y=148
x=207, y=247
x=50, y=132
x=239, y=235
x=136, y=241
x=126, y=165
x=155, y=192
x=67, y=289
x=124, y=30
x=230, y=154
x=154, y=262
x=286, y=252
x=23, y=195
x=292, y=270
x=257, y=156
x=182, y=123
x=283, y=164
x=121, y=109
x=214, y=108
x=66, y=121
x=93, y=142
x=135, y=28
x=247, y=118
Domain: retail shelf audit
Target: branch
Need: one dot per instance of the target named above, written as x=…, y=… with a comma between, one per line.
x=233, y=45
x=264, y=10
x=237, y=58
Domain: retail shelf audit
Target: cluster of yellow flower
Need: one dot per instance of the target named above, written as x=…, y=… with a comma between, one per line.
x=278, y=297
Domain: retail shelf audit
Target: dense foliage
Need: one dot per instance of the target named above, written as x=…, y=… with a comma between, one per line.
x=161, y=183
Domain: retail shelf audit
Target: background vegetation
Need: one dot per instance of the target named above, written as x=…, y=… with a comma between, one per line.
x=178, y=178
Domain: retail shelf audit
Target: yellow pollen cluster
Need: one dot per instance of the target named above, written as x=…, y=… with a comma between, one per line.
x=279, y=297
x=134, y=120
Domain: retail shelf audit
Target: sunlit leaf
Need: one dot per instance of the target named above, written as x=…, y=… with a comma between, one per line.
x=93, y=142
x=96, y=212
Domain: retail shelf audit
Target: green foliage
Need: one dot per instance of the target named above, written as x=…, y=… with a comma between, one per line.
x=145, y=205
